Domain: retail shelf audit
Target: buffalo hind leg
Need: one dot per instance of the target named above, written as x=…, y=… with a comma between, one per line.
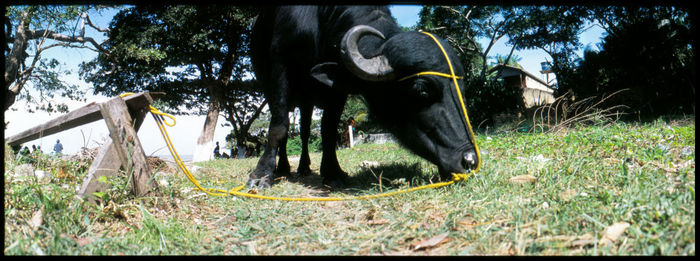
x=333, y=175
x=304, y=168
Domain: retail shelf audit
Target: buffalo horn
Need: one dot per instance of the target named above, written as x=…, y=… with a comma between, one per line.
x=373, y=69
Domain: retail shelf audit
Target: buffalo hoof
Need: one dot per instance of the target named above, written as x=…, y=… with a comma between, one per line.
x=259, y=183
x=304, y=172
x=282, y=171
x=336, y=182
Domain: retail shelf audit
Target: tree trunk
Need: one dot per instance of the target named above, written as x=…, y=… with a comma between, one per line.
x=204, y=149
x=13, y=63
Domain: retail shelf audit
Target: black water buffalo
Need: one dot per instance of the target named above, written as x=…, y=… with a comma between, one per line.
x=309, y=56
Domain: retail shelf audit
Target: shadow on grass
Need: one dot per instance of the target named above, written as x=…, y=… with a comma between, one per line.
x=366, y=180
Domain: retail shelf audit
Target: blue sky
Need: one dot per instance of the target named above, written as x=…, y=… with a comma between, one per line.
x=188, y=128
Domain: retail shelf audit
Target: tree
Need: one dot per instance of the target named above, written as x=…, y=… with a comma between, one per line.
x=511, y=60
x=455, y=24
x=196, y=54
x=648, y=51
x=29, y=32
x=241, y=107
x=554, y=30
x=463, y=27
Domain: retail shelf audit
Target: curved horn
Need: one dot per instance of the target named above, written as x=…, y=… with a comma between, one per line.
x=374, y=69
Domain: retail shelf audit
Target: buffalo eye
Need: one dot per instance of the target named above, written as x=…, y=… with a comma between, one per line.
x=424, y=89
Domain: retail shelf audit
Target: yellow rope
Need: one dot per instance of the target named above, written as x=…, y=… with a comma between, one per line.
x=159, y=117
x=430, y=73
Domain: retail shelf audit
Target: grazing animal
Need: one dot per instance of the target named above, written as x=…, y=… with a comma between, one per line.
x=308, y=56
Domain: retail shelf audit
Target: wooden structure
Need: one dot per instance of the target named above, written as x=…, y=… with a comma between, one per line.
x=535, y=92
x=123, y=117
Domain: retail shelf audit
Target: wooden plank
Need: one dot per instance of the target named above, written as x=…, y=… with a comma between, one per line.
x=127, y=144
x=106, y=163
x=84, y=115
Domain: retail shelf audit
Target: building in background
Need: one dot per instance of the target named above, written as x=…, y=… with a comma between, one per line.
x=535, y=91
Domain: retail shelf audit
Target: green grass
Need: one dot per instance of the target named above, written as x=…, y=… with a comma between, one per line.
x=588, y=178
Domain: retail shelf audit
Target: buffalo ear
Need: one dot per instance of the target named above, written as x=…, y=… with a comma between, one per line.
x=325, y=72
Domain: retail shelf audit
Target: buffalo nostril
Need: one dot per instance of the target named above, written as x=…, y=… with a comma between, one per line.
x=469, y=159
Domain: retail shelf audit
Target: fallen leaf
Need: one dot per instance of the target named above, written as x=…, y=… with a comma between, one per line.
x=370, y=214
x=163, y=183
x=379, y=221
x=37, y=219
x=568, y=194
x=83, y=241
x=585, y=239
x=612, y=233
x=431, y=242
x=62, y=173
x=540, y=158
x=466, y=224
x=253, y=191
x=222, y=222
x=522, y=179
x=687, y=164
x=437, y=216
x=545, y=205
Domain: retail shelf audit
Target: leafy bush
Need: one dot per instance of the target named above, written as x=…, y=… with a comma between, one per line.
x=488, y=97
x=294, y=144
x=651, y=57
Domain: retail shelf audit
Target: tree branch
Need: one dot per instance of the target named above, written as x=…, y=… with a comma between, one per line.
x=466, y=16
x=89, y=22
x=64, y=38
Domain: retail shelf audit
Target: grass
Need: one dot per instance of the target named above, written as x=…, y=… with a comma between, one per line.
x=588, y=178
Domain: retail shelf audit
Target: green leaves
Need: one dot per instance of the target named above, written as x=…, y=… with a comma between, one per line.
x=30, y=31
x=637, y=36
x=183, y=50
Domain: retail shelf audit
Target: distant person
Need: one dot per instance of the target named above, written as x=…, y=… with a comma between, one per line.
x=58, y=148
x=345, y=139
x=24, y=151
x=216, y=151
x=36, y=150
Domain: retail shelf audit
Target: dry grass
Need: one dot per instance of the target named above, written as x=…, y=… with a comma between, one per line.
x=564, y=113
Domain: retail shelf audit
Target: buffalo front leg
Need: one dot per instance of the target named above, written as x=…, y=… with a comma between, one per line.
x=283, y=162
x=333, y=175
x=263, y=175
x=304, y=168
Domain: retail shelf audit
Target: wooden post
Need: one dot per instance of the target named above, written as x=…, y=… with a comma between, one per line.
x=105, y=163
x=352, y=142
x=127, y=145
